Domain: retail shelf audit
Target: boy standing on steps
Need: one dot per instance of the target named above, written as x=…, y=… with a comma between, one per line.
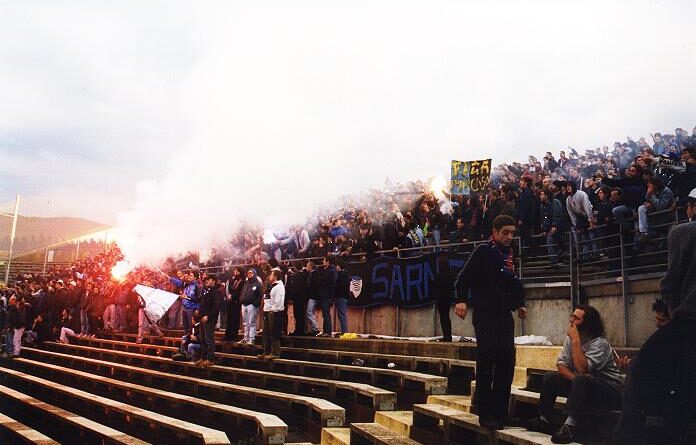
x=489, y=285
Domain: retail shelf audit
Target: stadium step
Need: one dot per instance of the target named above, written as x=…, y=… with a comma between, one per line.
x=144, y=424
x=417, y=385
x=335, y=436
x=458, y=372
x=362, y=399
x=58, y=423
x=237, y=423
x=16, y=433
x=308, y=414
x=462, y=403
x=418, y=348
x=376, y=434
x=398, y=421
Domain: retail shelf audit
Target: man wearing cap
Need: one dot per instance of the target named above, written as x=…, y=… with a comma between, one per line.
x=691, y=206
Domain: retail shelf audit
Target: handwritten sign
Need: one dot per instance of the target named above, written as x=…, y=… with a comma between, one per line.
x=470, y=176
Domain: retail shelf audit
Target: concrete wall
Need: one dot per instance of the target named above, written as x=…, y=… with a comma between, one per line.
x=549, y=310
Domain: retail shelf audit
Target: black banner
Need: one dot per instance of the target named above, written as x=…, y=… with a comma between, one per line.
x=403, y=282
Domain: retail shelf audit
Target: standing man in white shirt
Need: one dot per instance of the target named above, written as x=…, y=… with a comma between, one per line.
x=273, y=304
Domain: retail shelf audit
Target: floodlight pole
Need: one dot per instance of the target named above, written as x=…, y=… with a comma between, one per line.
x=12, y=238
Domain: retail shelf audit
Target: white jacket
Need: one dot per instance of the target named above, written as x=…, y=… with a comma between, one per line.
x=277, y=300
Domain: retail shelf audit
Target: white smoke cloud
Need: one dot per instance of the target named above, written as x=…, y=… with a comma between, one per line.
x=260, y=112
x=292, y=106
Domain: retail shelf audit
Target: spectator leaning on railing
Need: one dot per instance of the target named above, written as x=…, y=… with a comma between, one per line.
x=658, y=197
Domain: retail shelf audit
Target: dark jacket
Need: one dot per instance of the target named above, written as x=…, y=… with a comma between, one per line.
x=11, y=317
x=234, y=288
x=485, y=285
x=678, y=287
x=211, y=301
x=252, y=291
x=17, y=316
x=296, y=289
x=327, y=282
x=86, y=300
x=525, y=207
x=72, y=323
x=313, y=284
x=633, y=190
x=551, y=215
x=342, y=289
x=684, y=183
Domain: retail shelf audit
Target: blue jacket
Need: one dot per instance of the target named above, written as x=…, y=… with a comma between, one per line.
x=191, y=291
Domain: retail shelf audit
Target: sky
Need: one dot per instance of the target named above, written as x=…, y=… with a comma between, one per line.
x=144, y=111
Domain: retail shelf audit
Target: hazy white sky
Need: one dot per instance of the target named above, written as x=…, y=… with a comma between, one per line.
x=274, y=99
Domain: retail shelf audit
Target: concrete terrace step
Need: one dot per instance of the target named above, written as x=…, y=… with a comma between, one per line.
x=398, y=421
x=144, y=424
x=335, y=436
x=16, y=433
x=268, y=429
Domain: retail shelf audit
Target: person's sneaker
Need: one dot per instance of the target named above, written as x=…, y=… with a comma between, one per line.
x=323, y=334
x=565, y=434
x=539, y=425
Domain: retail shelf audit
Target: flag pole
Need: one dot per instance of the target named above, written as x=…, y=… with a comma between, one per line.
x=12, y=238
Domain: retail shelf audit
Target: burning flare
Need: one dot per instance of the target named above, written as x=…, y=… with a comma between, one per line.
x=439, y=188
x=120, y=270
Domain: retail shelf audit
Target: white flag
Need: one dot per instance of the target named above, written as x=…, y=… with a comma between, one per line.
x=157, y=301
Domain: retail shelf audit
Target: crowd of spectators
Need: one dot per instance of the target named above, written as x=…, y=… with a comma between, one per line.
x=598, y=192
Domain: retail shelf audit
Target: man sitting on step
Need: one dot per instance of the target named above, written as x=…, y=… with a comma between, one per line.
x=586, y=373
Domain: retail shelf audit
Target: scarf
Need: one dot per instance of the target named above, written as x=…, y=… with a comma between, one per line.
x=504, y=253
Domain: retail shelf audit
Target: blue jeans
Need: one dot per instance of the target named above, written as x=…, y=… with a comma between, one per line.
x=588, y=246
x=84, y=322
x=249, y=315
x=312, y=305
x=622, y=214
x=643, y=225
x=342, y=310
x=552, y=247
x=9, y=341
